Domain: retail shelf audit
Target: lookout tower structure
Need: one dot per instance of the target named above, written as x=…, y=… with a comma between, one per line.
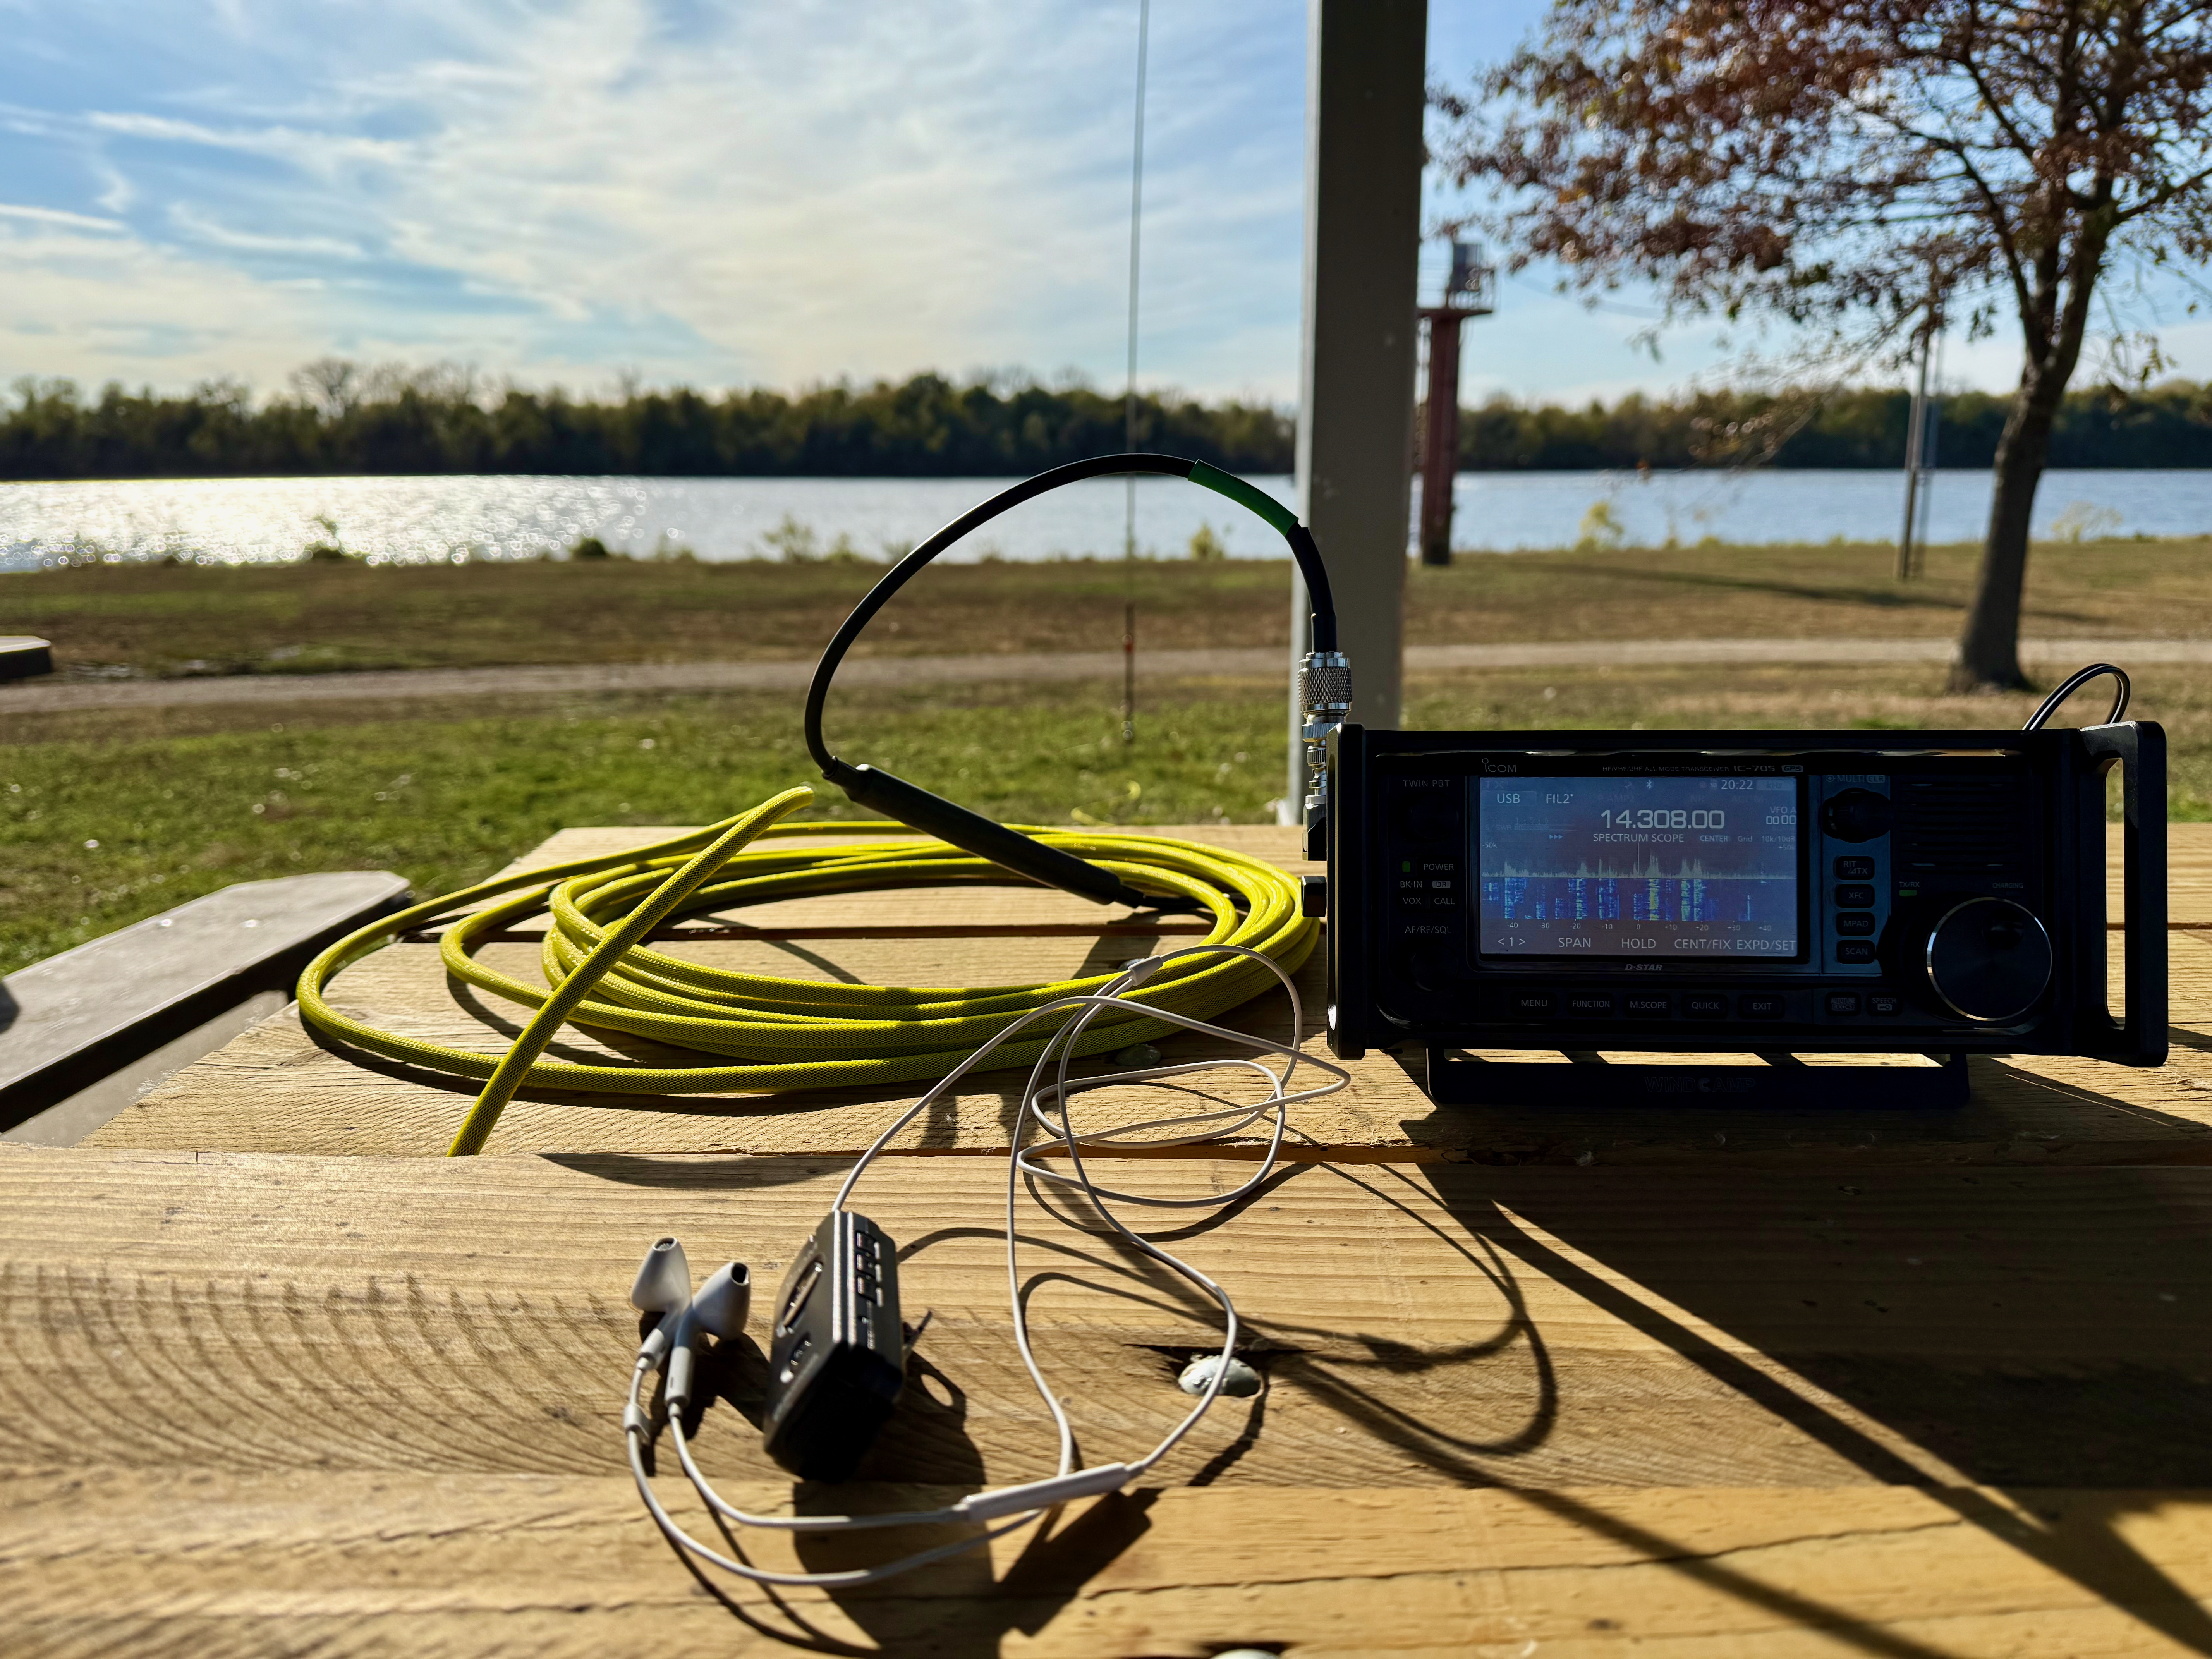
x=1470, y=290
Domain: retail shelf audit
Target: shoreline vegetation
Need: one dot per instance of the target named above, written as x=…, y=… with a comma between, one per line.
x=339, y=418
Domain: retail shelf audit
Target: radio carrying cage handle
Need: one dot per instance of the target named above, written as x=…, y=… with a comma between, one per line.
x=2138, y=748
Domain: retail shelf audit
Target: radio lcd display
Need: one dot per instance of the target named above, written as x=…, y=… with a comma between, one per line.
x=1638, y=868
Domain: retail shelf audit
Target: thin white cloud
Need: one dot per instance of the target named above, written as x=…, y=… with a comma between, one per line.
x=321, y=153
x=201, y=228
x=57, y=216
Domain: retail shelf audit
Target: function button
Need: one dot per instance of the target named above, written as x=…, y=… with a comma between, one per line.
x=1759, y=1007
x=1858, y=815
x=1647, y=1006
x=1854, y=869
x=1855, y=950
x=1854, y=924
x=1590, y=1005
x=1843, y=1002
x=1533, y=1005
x=1701, y=1004
x=1855, y=897
x=1886, y=1006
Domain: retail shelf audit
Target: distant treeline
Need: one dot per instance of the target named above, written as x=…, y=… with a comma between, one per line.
x=340, y=419
x=2166, y=425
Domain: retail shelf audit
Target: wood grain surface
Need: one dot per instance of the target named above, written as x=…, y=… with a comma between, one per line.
x=277, y=1089
x=256, y=1404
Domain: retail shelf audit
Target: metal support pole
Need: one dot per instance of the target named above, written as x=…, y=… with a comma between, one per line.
x=1931, y=425
x=1915, y=453
x=1440, y=435
x=1365, y=75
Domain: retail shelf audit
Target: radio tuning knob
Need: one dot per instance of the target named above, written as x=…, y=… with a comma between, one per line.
x=1989, y=960
x=1858, y=815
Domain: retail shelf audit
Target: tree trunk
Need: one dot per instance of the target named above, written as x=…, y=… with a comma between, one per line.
x=1988, y=649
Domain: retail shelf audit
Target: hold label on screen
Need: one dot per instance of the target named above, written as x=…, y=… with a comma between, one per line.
x=1638, y=868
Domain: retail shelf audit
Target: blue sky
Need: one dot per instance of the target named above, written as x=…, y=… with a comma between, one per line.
x=683, y=192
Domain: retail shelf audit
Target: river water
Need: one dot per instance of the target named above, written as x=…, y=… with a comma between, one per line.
x=416, y=519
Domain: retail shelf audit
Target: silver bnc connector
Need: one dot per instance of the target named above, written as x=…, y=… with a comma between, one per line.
x=1324, y=699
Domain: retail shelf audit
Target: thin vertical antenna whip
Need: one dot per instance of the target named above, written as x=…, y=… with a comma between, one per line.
x=1129, y=397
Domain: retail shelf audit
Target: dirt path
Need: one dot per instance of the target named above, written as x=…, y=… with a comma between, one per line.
x=29, y=697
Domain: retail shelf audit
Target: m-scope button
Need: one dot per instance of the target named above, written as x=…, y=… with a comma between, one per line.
x=1535, y=1005
x=1696, y=1006
x=1590, y=1005
x=1648, y=1007
x=1759, y=1007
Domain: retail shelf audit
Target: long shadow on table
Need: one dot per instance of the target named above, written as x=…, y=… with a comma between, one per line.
x=1067, y=1550
x=2035, y=1332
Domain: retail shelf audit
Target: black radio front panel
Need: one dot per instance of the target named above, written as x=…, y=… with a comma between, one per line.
x=1799, y=891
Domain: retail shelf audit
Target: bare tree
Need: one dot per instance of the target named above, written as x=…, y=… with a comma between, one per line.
x=1834, y=163
x=329, y=385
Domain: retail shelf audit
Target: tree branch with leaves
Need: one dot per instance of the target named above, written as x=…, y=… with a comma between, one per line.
x=1843, y=166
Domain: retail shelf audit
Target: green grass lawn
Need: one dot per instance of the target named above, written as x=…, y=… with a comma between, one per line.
x=110, y=815
x=156, y=620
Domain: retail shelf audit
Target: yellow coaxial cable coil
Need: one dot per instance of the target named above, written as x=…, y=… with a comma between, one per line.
x=781, y=1034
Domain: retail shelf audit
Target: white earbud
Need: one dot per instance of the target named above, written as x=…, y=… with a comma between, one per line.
x=718, y=1311
x=723, y=1302
x=663, y=1286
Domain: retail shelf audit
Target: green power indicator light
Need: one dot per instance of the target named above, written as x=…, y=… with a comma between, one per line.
x=1406, y=867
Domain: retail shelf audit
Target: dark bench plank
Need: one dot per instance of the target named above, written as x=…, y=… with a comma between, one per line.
x=22, y=656
x=76, y=1016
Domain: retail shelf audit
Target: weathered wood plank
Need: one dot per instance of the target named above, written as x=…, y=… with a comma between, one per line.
x=256, y=1404
x=2189, y=885
x=1448, y=1323
x=77, y=1015
x=276, y=1090
x=126, y=1562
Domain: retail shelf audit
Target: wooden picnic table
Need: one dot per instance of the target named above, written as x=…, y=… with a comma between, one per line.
x=275, y=1378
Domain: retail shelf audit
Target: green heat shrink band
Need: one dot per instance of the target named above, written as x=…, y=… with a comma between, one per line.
x=1249, y=496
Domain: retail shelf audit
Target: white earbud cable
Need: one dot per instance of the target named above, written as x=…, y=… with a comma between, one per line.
x=1027, y=1502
